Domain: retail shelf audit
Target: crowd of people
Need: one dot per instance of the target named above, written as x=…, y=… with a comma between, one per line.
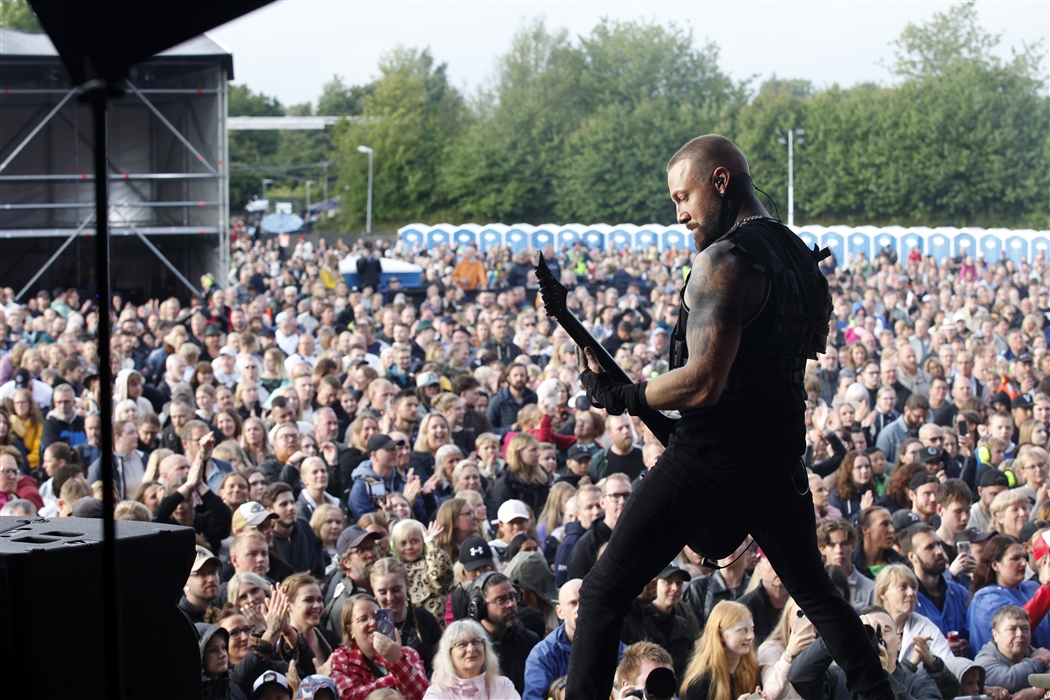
x=396, y=493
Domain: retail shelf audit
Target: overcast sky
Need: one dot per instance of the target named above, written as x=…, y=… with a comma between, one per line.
x=291, y=48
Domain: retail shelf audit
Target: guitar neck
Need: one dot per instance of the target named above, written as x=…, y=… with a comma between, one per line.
x=584, y=339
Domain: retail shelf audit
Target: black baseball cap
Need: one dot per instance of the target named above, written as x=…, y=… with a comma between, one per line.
x=578, y=452
x=475, y=553
x=923, y=478
x=1022, y=400
x=212, y=329
x=994, y=478
x=672, y=569
x=929, y=454
x=381, y=442
x=23, y=379
x=972, y=534
x=1025, y=357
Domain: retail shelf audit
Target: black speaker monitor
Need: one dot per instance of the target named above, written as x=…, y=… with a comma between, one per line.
x=51, y=626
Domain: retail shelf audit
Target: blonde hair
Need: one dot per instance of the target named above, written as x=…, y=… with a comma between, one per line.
x=401, y=530
x=891, y=575
x=551, y=514
x=321, y=514
x=421, y=441
x=515, y=466
x=1003, y=501
x=132, y=510
x=153, y=466
x=709, y=657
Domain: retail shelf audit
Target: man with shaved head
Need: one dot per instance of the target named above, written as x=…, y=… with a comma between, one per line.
x=754, y=309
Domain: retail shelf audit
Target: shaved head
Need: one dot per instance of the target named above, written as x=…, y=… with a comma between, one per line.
x=708, y=152
x=710, y=184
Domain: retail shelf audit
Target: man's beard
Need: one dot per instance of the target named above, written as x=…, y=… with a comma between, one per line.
x=717, y=221
x=937, y=568
x=361, y=572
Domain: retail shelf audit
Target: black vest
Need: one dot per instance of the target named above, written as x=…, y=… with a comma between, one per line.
x=763, y=403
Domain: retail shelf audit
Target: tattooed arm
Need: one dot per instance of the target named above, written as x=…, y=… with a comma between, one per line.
x=724, y=291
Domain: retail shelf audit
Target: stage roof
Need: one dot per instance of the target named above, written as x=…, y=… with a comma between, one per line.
x=16, y=43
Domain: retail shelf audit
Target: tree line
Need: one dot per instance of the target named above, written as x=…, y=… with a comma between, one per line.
x=579, y=129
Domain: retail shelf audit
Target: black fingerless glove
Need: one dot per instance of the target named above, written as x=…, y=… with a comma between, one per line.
x=605, y=392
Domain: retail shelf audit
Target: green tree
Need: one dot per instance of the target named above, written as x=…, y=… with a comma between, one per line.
x=340, y=100
x=250, y=150
x=17, y=14
x=409, y=119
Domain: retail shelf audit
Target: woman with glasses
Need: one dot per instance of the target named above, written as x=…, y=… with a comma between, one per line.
x=368, y=660
x=251, y=652
x=1031, y=470
x=27, y=424
x=466, y=666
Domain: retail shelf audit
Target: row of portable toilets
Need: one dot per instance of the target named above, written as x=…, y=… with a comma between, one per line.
x=845, y=242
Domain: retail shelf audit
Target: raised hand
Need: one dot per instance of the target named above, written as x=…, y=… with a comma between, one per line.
x=433, y=530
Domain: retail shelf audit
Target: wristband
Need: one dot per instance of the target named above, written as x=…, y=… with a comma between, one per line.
x=791, y=657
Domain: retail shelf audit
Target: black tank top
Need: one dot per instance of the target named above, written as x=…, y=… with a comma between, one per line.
x=762, y=408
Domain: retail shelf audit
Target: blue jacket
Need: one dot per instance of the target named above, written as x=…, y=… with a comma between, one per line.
x=989, y=599
x=891, y=437
x=955, y=616
x=360, y=498
x=573, y=532
x=548, y=661
x=503, y=409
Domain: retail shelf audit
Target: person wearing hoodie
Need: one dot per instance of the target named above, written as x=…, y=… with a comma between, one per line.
x=128, y=386
x=215, y=664
x=62, y=423
x=1009, y=657
x=377, y=476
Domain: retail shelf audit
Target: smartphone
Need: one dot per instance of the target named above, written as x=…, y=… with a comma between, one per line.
x=963, y=547
x=962, y=428
x=385, y=622
x=377, y=491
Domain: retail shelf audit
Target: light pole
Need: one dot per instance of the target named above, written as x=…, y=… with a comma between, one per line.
x=266, y=181
x=326, y=164
x=308, y=183
x=368, y=215
x=793, y=136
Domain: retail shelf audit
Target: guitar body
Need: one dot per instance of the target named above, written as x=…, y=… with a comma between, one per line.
x=555, y=296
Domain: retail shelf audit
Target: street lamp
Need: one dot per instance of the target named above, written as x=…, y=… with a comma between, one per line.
x=266, y=181
x=793, y=136
x=368, y=216
x=308, y=183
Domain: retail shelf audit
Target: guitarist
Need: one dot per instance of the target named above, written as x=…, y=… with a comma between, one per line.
x=754, y=308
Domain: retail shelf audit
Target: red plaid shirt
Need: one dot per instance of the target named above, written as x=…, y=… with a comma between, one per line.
x=355, y=679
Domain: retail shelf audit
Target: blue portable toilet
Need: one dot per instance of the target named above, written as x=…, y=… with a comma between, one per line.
x=489, y=238
x=541, y=237
x=858, y=242
x=620, y=239
x=939, y=246
x=965, y=244
x=413, y=237
x=645, y=237
x=674, y=238
x=436, y=237
x=1039, y=244
x=593, y=239
x=809, y=238
x=990, y=247
x=881, y=240
x=464, y=237
x=834, y=241
x=567, y=237
x=908, y=241
x=1017, y=249
x=517, y=239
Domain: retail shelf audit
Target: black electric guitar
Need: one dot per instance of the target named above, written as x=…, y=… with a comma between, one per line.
x=554, y=295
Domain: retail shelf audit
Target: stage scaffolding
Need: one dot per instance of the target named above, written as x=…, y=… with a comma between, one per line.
x=168, y=169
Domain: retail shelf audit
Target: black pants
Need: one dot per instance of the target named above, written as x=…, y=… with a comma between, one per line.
x=677, y=498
